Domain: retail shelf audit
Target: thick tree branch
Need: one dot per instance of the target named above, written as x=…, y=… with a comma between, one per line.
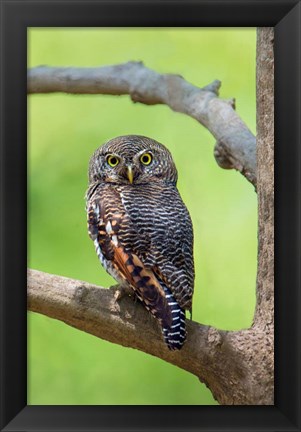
x=221, y=359
x=236, y=145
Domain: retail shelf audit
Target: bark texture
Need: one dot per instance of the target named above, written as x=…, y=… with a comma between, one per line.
x=236, y=145
x=237, y=366
x=223, y=360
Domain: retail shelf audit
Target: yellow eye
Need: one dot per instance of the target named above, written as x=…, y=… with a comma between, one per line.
x=112, y=160
x=146, y=158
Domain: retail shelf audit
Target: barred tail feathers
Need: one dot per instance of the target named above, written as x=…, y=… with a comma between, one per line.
x=175, y=335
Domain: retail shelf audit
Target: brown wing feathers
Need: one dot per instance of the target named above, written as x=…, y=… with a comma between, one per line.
x=105, y=227
x=145, y=284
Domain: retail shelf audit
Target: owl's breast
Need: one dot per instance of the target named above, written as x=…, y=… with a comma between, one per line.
x=145, y=205
x=157, y=213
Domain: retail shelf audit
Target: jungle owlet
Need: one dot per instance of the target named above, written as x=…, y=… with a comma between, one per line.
x=141, y=229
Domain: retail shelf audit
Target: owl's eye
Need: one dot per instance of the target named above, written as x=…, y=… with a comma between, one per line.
x=112, y=160
x=146, y=158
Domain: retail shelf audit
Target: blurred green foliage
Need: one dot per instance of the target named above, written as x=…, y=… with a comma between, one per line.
x=66, y=366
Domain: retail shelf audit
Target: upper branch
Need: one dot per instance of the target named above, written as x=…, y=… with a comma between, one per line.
x=236, y=145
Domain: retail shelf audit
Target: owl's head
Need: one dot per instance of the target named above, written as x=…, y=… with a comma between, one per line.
x=132, y=159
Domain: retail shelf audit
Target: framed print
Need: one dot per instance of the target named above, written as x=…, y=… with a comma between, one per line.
x=230, y=301
x=57, y=376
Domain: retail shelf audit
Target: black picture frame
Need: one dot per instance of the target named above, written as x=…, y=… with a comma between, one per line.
x=16, y=16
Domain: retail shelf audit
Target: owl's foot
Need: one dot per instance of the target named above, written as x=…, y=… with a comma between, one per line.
x=121, y=291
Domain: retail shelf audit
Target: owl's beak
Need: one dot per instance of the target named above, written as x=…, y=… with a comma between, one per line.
x=130, y=174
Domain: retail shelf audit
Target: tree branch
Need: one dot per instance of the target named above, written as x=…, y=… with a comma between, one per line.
x=223, y=360
x=236, y=145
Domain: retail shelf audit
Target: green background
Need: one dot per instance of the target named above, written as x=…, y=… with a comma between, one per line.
x=66, y=366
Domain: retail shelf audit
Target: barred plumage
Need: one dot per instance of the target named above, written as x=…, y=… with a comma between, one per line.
x=141, y=228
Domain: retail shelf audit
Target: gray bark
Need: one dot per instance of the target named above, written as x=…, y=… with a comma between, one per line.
x=237, y=366
x=236, y=145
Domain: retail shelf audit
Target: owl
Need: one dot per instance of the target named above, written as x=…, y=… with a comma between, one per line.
x=141, y=228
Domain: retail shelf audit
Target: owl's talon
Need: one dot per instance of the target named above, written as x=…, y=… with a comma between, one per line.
x=121, y=291
x=117, y=295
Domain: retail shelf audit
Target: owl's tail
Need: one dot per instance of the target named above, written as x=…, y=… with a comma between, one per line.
x=175, y=335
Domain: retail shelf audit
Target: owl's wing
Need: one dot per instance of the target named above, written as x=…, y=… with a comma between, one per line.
x=177, y=281
x=106, y=223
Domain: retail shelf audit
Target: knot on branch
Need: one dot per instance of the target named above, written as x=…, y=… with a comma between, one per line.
x=214, y=337
x=224, y=158
x=213, y=87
